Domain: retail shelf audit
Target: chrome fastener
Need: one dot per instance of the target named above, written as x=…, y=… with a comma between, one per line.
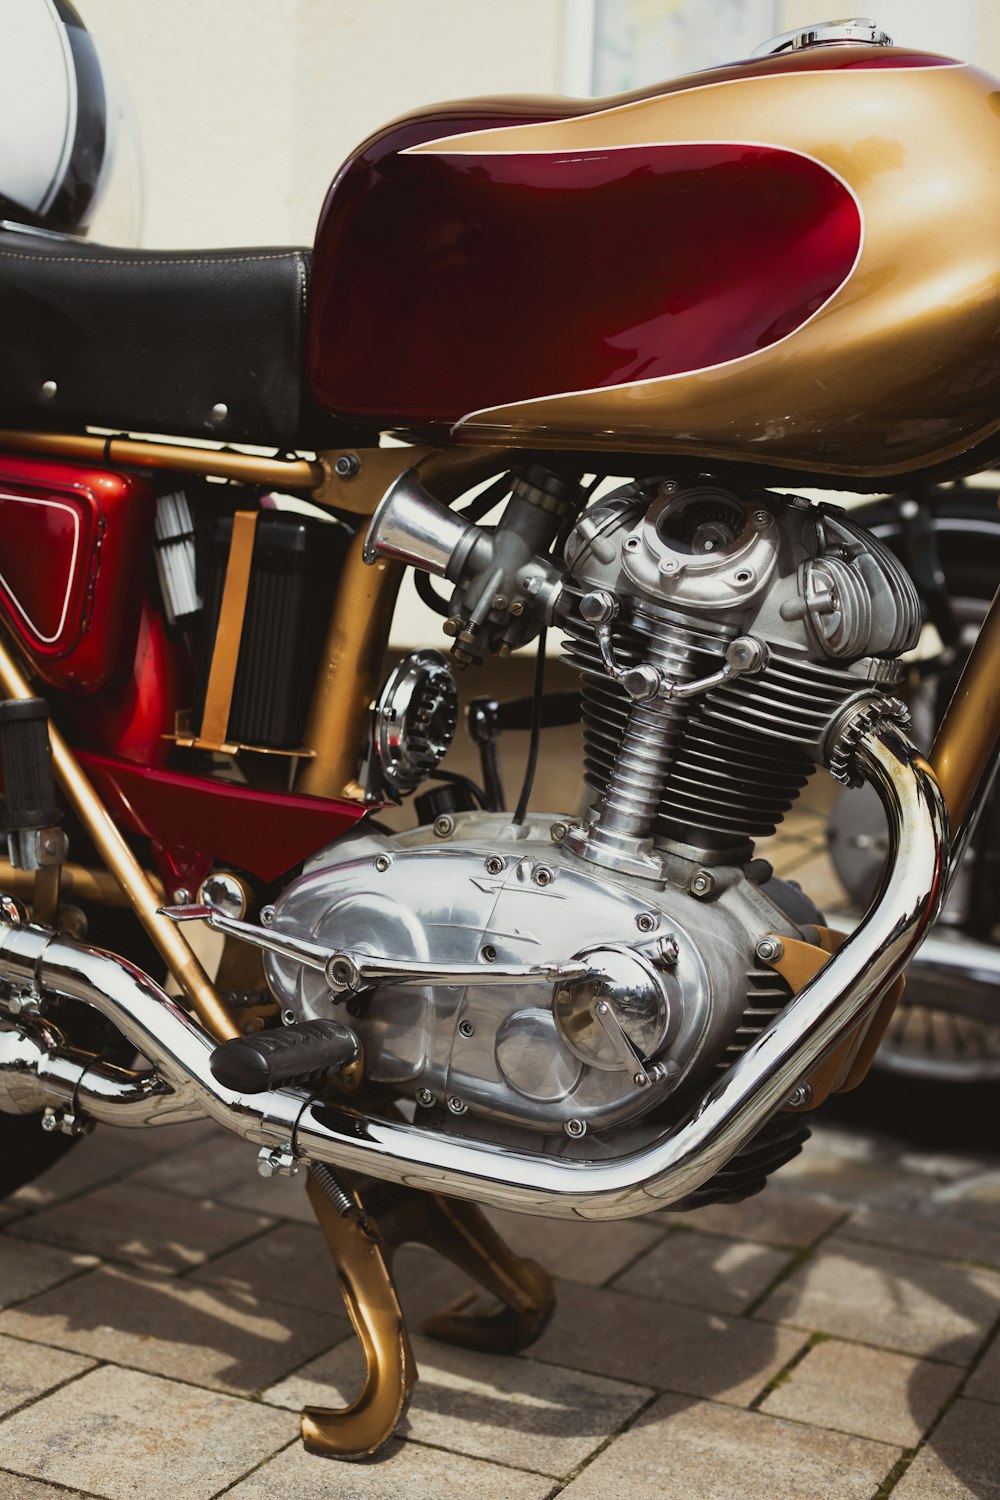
x=277, y=1161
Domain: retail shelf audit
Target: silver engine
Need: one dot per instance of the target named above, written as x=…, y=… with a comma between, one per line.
x=719, y=637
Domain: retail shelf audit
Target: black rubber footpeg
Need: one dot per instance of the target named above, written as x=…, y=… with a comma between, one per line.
x=28, y=783
x=253, y=1064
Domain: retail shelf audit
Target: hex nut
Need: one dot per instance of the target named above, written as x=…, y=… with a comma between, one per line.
x=702, y=884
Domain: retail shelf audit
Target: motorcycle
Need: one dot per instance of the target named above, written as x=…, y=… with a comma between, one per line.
x=725, y=289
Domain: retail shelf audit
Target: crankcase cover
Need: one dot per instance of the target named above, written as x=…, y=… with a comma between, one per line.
x=501, y=1050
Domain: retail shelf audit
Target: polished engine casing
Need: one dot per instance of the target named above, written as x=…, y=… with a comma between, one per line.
x=793, y=260
x=502, y=1052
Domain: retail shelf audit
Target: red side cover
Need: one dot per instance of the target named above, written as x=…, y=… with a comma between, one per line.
x=73, y=550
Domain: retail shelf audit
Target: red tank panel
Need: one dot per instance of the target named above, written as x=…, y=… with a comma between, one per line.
x=69, y=587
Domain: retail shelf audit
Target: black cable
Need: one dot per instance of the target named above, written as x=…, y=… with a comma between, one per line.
x=484, y=503
x=458, y=779
x=429, y=594
x=536, y=731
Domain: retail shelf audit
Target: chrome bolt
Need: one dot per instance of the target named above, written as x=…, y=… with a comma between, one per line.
x=182, y=895
x=444, y=826
x=642, y=682
x=425, y=1098
x=452, y=626
x=220, y=411
x=347, y=466
x=494, y=865
x=770, y=949
x=640, y=1080
x=762, y=518
x=800, y=1097
x=277, y=1161
x=598, y=607
x=267, y=915
x=558, y=831
x=49, y=390
x=382, y=862
x=702, y=884
x=645, y=921
x=575, y=1128
x=669, y=565
x=65, y=1122
x=746, y=654
x=667, y=951
x=466, y=1029
x=488, y=954
x=630, y=543
x=542, y=875
x=456, y=1105
x=288, y=1018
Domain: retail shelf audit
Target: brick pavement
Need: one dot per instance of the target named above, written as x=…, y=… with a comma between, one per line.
x=165, y=1314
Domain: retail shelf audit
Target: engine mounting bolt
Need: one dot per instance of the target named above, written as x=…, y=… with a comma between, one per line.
x=488, y=954
x=762, y=518
x=288, y=1018
x=746, y=654
x=466, y=1029
x=347, y=466
x=456, y=1105
x=702, y=884
x=642, y=682
x=182, y=895
x=800, y=1097
x=575, y=1128
x=770, y=949
x=425, y=1098
x=452, y=626
x=494, y=865
x=444, y=825
x=267, y=915
x=558, y=831
x=382, y=862
x=645, y=921
x=542, y=875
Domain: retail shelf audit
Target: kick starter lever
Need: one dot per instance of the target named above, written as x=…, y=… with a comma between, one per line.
x=347, y=973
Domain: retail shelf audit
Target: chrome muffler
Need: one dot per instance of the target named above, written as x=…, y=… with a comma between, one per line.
x=662, y=1172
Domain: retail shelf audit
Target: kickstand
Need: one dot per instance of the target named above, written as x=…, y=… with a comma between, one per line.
x=362, y=1252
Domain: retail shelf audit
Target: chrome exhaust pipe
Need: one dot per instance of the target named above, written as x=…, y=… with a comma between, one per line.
x=665, y=1171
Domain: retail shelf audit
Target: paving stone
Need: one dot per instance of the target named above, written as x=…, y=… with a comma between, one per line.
x=225, y=1169
x=400, y=1471
x=591, y=1253
x=975, y=1199
x=664, y=1345
x=985, y=1379
x=26, y=1269
x=700, y=1451
x=869, y=1392
x=904, y=1302
x=106, y=1154
x=528, y=1414
x=944, y=1237
x=291, y=1263
x=839, y=1179
x=128, y=1436
x=17, y=1487
x=130, y=1222
x=959, y=1461
x=769, y=1217
x=207, y=1335
x=28, y=1370
x=723, y=1275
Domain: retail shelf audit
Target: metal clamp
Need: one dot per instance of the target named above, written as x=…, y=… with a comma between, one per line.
x=854, y=29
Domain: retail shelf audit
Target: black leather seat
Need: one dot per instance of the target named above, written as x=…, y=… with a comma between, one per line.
x=158, y=342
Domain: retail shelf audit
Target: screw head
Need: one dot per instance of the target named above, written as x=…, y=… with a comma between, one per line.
x=542, y=875
x=500, y=602
x=182, y=895
x=630, y=543
x=288, y=1017
x=770, y=949
x=444, y=825
x=670, y=565
x=575, y=1128
x=640, y=1080
x=220, y=411
x=382, y=862
x=267, y=915
x=456, y=1105
x=517, y=608
x=425, y=1098
x=598, y=607
x=488, y=954
x=49, y=390
x=702, y=883
x=558, y=831
x=50, y=1121
x=347, y=466
x=494, y=865
x=669, y=487
x=762, y=518
x=800, y=1096
x=645, y=921
x=667, y=951
x=466, y=1029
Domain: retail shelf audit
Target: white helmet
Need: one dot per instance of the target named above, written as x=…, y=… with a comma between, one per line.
x=65, y=125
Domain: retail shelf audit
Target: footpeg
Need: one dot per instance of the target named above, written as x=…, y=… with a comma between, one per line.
x=265, y=1060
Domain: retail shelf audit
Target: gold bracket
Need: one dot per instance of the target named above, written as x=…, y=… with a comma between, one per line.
x=847, y=1065
x=362, y=1253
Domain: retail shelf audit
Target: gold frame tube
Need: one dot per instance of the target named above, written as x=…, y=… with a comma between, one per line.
x=111, y=846
x=133, y=453
x=967, y=736
x=77, y=883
